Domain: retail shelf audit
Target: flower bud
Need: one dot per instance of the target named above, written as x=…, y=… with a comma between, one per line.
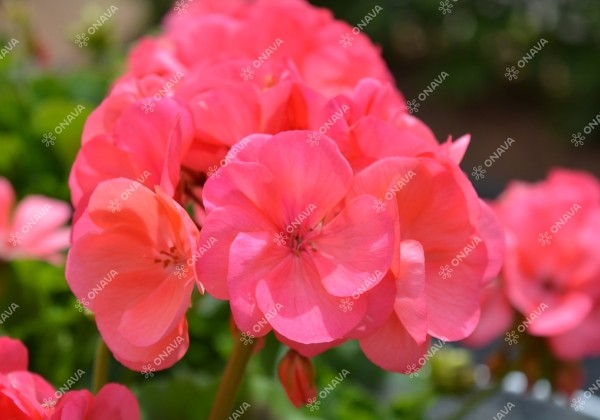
x=297, y=375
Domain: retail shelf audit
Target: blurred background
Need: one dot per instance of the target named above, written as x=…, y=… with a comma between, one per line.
x=555, y=95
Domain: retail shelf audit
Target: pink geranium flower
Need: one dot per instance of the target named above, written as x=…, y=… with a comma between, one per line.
x=113, y=401
x=36, y=227
x=552, y=269
x=447, y=243
x=21, y=392
x=286, y=252
x=134, y=269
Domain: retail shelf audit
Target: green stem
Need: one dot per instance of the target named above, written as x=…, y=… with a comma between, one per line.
x=232, y=378
x=101, y=362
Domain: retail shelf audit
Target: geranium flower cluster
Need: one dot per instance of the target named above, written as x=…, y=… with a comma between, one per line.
x=26, y=395
x=549, y=283
x=247, y=153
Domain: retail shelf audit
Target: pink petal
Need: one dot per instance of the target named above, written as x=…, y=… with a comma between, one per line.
x=13, y=355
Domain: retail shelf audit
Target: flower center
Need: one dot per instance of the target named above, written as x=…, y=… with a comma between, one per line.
x=172, y=256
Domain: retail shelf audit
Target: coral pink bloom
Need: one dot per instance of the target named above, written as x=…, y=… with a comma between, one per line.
x=284, y=250
x=553, y=258
x=21, y=392
x=134, y=271
x=446, y=242
x=247, y=32
x=113, y=401
x=35, y=228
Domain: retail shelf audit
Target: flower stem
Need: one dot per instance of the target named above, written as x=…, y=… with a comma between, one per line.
x=101, y=361
x=232, y=378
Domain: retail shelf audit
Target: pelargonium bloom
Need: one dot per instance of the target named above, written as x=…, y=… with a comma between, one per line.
x=21, y=392
x=113, y=401
x=287, y=252
x=552, y=268
x=35, y=229
x=134, y=269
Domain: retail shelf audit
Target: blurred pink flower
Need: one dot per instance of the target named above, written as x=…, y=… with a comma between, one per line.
x=553, y=259
x=36, y=227
x=134, y=269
